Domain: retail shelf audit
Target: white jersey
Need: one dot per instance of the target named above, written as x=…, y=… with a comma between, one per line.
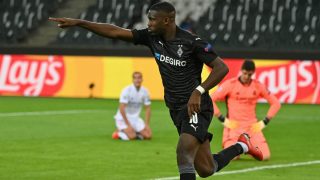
x=134, y=99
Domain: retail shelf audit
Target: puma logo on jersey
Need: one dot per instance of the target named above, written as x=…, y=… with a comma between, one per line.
x=194, y=127
x=169, y=60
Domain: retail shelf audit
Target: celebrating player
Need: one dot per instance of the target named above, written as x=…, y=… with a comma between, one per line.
x=128, y=121
x=241, y=95
x=180, y=57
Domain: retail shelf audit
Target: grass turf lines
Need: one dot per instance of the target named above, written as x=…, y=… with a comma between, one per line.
x=53, y=138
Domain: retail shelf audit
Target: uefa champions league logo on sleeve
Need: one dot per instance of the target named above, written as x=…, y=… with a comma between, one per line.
x=180, y=52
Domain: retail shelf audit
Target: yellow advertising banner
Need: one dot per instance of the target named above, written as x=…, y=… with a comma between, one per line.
x=292, y=81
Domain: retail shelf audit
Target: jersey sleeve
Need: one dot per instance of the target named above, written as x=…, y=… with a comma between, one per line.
x=146, y=99
x=219, y=95
x=124, y=97
x=272, y=100
x=204, y=51
x=141, y=37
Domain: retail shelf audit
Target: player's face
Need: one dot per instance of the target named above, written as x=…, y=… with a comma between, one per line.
x=157, y=22
x=246, y=76
x=137, y=80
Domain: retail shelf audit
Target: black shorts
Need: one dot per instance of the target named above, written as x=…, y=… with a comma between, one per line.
x=198, y=125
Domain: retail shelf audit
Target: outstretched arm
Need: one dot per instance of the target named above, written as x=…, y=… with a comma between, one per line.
x=103, y=29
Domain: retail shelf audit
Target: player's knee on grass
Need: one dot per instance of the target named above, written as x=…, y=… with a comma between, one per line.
x=146, y=134
x=266, y=156
x=131, y=135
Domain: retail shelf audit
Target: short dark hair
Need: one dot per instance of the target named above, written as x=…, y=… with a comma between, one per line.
x=163, y=6
x=248, y=65
x=136, y=72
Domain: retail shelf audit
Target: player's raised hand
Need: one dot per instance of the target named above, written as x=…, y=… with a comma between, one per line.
x=65, y=22
x=194, y=103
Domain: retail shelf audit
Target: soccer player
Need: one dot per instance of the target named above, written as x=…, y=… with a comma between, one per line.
x=241, y=95
x=180, y=57
x=128, y=121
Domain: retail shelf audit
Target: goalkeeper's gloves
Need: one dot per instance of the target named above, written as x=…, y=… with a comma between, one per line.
x=228, y=123
x=258, y=126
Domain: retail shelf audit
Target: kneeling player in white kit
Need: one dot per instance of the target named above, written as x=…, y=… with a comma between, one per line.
x=128, y=121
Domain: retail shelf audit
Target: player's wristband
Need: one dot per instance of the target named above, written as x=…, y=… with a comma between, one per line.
x=200, y=89
x=221, y=118
x=266, y=121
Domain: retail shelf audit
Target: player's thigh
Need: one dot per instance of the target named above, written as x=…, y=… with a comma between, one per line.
x=204, y=161
x=230, y=136
x=259, y=140
x=137, y=124
x=122, y=126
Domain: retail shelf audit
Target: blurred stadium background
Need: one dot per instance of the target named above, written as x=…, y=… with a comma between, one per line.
x=58, y=88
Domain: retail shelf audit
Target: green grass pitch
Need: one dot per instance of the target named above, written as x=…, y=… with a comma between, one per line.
x=71, y=139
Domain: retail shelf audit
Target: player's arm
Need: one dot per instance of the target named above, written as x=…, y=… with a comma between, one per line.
x=148, y=114
x=219, y=95
x=219, y=71
x=122, y=109
x=275, y=106
x=103, y=29
x=147, y=105
x=272, y=100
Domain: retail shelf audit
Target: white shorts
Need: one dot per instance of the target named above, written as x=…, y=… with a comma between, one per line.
x=137, y=124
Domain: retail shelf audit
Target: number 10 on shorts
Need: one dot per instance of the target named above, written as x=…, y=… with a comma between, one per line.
x=194, y=119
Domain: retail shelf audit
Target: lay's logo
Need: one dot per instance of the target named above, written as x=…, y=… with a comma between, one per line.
x=291, y=81
x=23, y=75
x=296, y=81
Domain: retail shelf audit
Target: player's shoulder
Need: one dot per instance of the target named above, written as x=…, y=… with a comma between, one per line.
x=144, y=34
x=144, y=89
x=227, y=84
x=188, y=36
x=258, y=84
x=142, y=31
x=128, y=88
x=231, y=81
